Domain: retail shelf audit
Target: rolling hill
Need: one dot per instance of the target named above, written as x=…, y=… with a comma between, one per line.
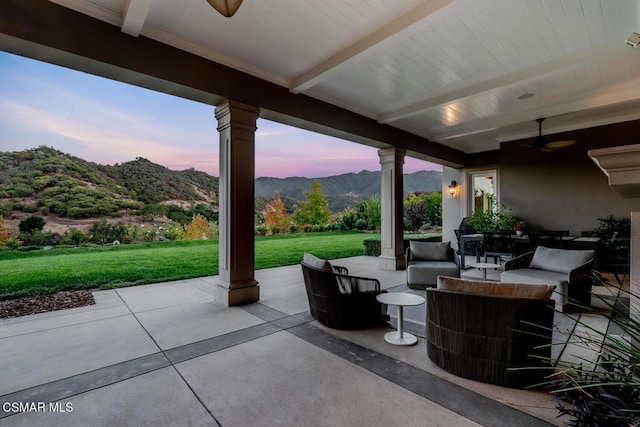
x=46, y=181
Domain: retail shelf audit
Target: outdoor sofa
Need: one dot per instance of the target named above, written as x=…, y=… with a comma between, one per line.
x=493, y=332
x=568, y=270
x=339, y=300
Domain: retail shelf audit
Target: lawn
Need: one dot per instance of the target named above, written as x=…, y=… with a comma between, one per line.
x=47, y=271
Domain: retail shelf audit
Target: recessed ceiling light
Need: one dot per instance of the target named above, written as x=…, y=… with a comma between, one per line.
x=525, y=96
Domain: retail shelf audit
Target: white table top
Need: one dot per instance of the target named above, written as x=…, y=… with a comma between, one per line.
x=400, y=298
x=484, y=265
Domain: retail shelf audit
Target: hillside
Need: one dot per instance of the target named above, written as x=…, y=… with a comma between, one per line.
x=46, y=181
x=364, y=183
x=71, y=191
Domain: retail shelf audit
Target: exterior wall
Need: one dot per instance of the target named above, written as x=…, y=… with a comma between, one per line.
x=452, y=207
x=560, y=190
x=564, y=189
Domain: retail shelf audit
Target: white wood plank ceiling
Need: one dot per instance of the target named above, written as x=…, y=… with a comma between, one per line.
x=448, y=70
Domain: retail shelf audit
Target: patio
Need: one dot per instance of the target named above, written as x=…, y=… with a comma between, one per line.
x=166, y=354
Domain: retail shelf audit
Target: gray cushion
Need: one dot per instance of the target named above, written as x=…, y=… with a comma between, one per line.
x=427, y=272
x=559, y=260
x=535, y=276
x=430, y=251
x=316, y=262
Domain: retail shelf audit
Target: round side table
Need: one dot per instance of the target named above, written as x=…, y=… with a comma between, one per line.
x=401, y=299
x=484, y=266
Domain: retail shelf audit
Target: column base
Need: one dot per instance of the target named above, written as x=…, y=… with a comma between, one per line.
x=222, y=294
x=391, y=263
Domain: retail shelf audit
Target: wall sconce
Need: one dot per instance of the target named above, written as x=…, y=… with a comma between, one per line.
x=452, y=189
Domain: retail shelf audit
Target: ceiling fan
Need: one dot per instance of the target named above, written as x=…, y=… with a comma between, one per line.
x=542, y=144
x=226, y=7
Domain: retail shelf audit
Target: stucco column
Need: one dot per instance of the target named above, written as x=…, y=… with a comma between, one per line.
x=391, y=188
x=237, y=127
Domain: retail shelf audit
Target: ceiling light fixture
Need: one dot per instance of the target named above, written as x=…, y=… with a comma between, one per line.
x=226, y=7
x=633, y=40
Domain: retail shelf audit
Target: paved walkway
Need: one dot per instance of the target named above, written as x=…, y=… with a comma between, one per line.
x=166, y=354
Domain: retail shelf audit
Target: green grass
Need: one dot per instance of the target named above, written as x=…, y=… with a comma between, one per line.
x=47, y=271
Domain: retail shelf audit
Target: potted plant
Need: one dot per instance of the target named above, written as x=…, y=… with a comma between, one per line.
x=519, y=227
x=497, y=217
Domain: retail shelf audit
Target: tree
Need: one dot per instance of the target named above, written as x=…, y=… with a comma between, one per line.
x=198, y=229
x=434, y=208
x=5, y=234
x=415, y=212
x=315, y=210
x=369, y=214
x=30, y=224
x=275, y=214
x=421, y=208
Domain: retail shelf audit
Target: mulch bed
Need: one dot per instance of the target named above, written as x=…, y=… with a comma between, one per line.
x=44, y=303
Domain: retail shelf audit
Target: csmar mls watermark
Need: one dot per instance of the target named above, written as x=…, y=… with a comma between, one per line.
x=19, y=407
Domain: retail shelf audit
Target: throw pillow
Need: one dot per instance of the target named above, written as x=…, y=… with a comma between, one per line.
x=430, y=251
x=316, y=262
x=479, y=287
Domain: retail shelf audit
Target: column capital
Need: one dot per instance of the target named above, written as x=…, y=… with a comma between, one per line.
x=392, y=154
x=244, y=115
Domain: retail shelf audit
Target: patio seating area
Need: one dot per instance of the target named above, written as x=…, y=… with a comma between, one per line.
x=166, y=354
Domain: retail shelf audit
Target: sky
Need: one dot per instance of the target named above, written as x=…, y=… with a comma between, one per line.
x=108, y=122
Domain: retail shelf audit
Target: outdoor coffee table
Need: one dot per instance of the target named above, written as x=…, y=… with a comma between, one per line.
x=401, y=299
x=484, y=266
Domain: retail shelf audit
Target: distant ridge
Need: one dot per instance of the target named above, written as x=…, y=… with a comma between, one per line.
x=364, y=183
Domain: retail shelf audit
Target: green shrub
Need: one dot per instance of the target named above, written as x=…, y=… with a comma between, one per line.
x=75, y=237
x=31, y=224
x=361, y=224
x=102, y=232
x=261, y=230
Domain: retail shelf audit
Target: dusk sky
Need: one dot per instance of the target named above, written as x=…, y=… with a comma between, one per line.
x=108, y=122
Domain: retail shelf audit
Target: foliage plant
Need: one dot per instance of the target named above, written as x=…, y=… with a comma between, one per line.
x=347, y=219
x=605, y=392
x=369, y=214
x=31, y=224
x=197, y=229
x=496, y=217
x=315, y=210
x=5, y=234
x=275, y=215
x=415, y=213
x=610, y=224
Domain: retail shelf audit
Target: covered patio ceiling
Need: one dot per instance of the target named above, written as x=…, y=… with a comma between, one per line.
x=444, y=79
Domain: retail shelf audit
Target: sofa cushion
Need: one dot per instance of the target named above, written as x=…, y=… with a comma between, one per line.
x=559, y=260
x=430, y=251
x=427, y=272
x=316, y=262
x=479, y=287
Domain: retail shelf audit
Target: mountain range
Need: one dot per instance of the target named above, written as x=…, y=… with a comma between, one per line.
x=45, y=179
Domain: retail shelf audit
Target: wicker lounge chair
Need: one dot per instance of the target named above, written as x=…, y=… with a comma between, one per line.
x=341, y=301
x=498, y=339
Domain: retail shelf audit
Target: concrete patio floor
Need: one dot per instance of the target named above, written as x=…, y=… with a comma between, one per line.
x=166, y=354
